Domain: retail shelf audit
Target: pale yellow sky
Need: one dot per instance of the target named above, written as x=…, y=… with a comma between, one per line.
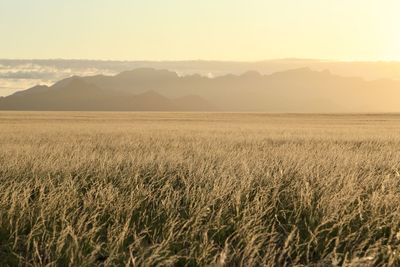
x=244, y=30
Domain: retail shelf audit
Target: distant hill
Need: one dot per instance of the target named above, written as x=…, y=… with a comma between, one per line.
x=147, y=89
x=53, y=69
x=76, y=93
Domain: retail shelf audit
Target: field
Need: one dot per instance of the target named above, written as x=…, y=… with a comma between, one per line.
x=196, y=189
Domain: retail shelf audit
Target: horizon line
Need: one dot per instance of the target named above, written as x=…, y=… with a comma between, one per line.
x=208, y=60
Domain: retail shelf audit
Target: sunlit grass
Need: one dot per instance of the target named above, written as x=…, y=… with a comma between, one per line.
x=147, y=189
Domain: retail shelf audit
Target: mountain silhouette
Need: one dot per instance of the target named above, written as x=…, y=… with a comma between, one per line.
x=146, y=89
x=77, y=94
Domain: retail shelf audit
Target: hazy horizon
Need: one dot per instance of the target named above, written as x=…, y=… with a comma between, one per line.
x=150, y=89
x=46, y=41
x=203, y=59
x=20, y=74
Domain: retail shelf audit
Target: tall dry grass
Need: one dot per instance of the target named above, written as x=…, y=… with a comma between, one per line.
x=159, y=189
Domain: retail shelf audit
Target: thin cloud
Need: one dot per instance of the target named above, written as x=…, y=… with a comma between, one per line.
x=15, y=77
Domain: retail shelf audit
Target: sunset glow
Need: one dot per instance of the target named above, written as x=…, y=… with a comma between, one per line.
x=181, y=30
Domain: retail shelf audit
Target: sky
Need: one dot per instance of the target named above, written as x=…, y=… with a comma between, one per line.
x=234, y=30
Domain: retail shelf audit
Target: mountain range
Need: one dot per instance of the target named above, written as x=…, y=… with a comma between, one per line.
x=147, y=89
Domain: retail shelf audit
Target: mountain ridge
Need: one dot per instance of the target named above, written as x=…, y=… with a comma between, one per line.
x=293, y=90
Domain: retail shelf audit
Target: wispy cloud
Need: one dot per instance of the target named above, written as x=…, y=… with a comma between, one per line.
x=15, y=77
x=10, y=86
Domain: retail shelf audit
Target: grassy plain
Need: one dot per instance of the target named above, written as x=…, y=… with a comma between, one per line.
x=148, y=189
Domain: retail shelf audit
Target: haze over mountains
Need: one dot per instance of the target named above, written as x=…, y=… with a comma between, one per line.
x=147, y=89
x=56, y=68
x=16, y=75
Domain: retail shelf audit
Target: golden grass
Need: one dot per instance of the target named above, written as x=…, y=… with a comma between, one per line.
x=146, y=189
